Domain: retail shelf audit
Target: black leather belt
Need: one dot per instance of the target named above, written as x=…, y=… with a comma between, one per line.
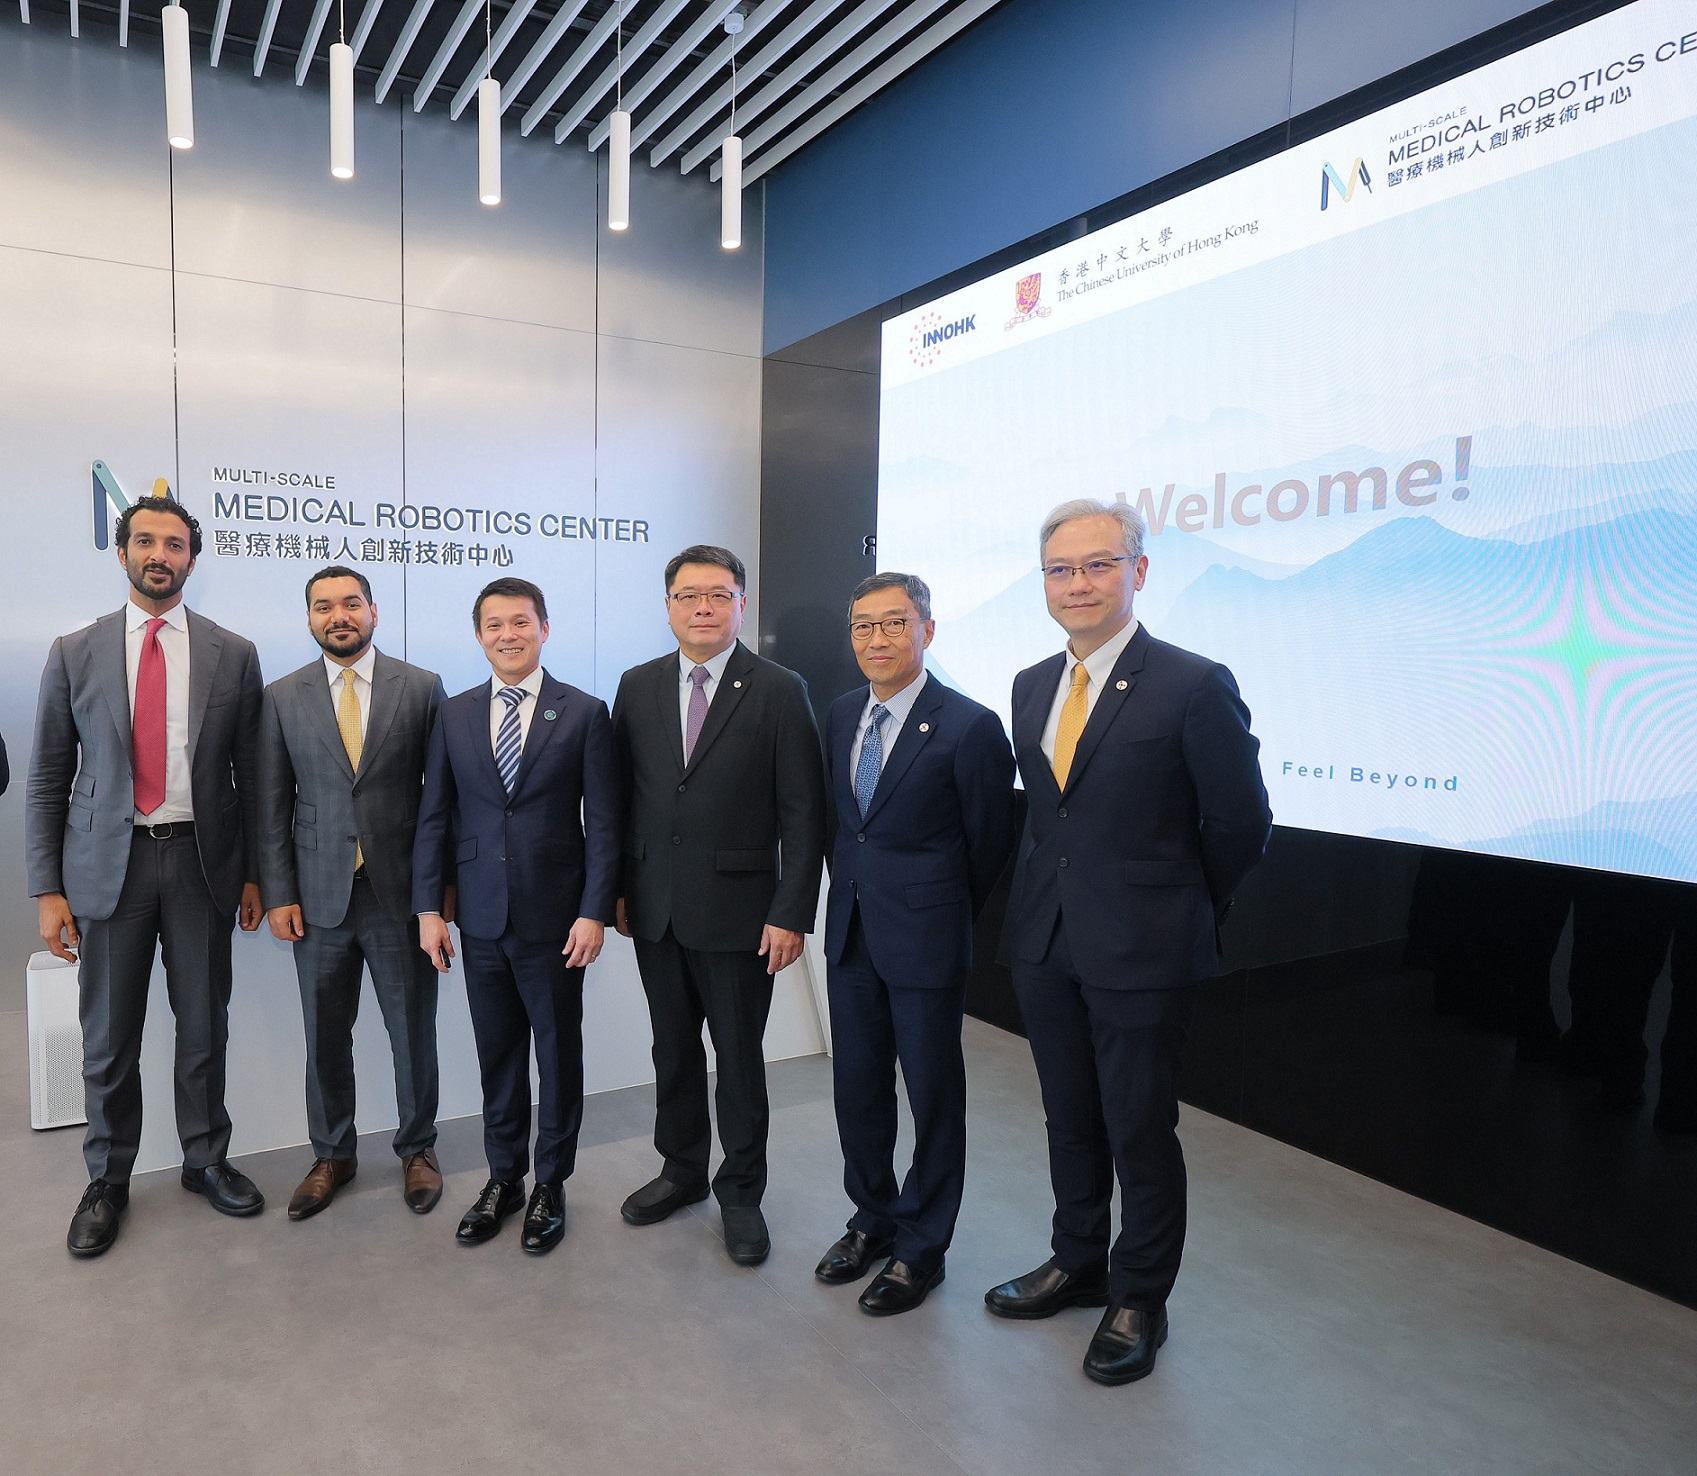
x=166, y=829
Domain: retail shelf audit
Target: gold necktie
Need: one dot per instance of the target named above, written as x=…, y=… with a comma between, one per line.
x=1073, y=713
x=347, y=723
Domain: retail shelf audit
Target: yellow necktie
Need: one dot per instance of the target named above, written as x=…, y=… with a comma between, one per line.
x=1073, y=713
x=347, y=723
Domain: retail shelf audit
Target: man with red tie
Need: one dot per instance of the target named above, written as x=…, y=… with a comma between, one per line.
x=140, y=835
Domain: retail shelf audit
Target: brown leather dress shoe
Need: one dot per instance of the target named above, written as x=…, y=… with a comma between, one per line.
x=423, y=1176
x=319, y=1187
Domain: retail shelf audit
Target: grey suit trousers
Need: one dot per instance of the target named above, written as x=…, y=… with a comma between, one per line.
x=164, y=904
x=329, y=963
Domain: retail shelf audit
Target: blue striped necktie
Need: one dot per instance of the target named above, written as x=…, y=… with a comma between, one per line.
x=871, y=763
x=509, y=749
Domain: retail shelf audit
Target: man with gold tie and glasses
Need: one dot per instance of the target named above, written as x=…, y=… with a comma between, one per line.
x=342, y=746
x=1146, y=809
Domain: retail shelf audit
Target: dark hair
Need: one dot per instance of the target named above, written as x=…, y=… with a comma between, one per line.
x=915, y=588
x=339, y=571
x=517, y=589
x=158, y=505
x=707, y=553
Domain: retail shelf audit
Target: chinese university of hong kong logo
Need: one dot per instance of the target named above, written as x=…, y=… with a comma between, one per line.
x=1344, y=187
x=109, y=499
x=1027, y=301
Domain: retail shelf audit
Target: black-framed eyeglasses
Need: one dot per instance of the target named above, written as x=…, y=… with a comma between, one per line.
x=1095, y=570
x=719, y=599
x=895, y=628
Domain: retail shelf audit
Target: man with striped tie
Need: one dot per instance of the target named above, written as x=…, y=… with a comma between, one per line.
x=520, y=809
x=1146, y=809
x=341, y=768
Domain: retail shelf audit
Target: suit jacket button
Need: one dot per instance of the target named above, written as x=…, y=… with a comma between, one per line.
x=1061, y=813
x=509, y=814
x=860, y=837
x=682, y=788
x=354, y=839
x=1063, y=860
x=677, y=840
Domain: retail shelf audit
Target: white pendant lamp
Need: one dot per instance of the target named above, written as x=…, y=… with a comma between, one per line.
x=489, y=141
x=730, y=154
x=618, y=140
x=179, y=90
x=342, y=110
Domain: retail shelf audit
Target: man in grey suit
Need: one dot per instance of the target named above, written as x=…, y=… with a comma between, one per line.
x=139, y=823
x=341, y=762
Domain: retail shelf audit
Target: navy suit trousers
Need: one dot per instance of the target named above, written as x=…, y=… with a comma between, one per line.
x=518, y=989
x=875, y=1023
x=1108, y=1064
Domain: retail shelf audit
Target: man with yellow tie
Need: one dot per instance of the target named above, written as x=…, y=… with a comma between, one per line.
x=1146, y=809
x=341, y=761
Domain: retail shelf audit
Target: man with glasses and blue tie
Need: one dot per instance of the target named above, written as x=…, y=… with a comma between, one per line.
x=521, y=811
x=1146, y=809
x=723, y=848
x=923, y=782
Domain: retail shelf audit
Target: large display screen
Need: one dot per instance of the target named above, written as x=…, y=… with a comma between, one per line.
x=1411, y=411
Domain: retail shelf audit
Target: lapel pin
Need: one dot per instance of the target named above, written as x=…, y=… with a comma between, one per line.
x=736, y=684
x=549, y=716
x=1122, y=685
x=925, y=727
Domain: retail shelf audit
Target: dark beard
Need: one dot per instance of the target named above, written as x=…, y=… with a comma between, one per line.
x=138, y=578
x=343, y=655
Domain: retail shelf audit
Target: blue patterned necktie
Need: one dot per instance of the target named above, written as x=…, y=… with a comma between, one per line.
x=871, y=763
x=509, y=749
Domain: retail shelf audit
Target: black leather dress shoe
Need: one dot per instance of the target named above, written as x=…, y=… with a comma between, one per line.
x=225, y=1189
x=500, y=1198
x=852, y=1257
x=658, y=1199
x=95, y=1224
x=1124, y=1346
x=1045, y=1291
x=544, y=1220
x=898, y=1288
x=746, y=1240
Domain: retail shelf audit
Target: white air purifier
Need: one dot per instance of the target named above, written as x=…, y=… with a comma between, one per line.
x=55, y=1044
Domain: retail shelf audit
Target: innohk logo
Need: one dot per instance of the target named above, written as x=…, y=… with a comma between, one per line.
x=109, y=498
x=1331, y=184
x=929, y=333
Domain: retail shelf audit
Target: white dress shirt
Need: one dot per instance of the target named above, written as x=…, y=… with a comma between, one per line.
x=532, y=685
x=896, y=709
x=362, y=670
x=174, y=642
x=715, y=670
x=1100, y=665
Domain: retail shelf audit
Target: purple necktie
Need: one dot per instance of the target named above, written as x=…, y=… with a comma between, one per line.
x=697, y=709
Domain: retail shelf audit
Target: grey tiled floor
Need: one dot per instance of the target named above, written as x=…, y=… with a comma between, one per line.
x=1324, y=1323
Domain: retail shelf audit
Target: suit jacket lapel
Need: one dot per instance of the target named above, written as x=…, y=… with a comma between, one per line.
x=666, y=693
x=106, y=646
x=841, y=739
x=320, y=709
x=732, y=685
x=549, y=697
x=1115, y=690
x=387, y=681
x=206, y=642
x=915, y=733
x=477, y=722
x=1029, y=721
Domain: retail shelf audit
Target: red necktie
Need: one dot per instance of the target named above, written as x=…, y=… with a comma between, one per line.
x=147, y=735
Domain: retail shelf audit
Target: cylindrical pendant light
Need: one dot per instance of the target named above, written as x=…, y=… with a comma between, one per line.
x=342, y=110
x=179, y=90
x=489, y=141
x=730, y=204
x=618, y=171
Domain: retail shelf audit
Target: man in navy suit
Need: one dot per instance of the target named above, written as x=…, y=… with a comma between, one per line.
x=922, y=779
x=1146, y=809
x=521, y=802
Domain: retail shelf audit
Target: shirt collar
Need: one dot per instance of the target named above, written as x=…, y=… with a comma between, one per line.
x=532, y=684
x=715, y=664
x=361, y=668
x=136, y=618
x=1100, y=662
x=901, y=704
